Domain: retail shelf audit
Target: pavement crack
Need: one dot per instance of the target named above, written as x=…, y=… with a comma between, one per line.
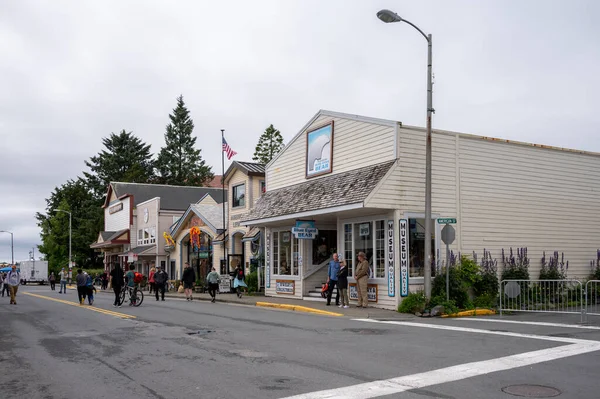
x=113, y=368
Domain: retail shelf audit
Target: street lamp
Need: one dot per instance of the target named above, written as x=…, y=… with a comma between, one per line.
x=388, y=16
x=70, y=232
x=12, y=248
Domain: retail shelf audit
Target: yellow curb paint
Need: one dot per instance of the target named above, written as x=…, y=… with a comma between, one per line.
x=99, y=310
x=475, y=312
x=296, y=308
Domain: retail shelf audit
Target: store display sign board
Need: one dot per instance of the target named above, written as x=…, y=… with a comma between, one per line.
x=371, y=292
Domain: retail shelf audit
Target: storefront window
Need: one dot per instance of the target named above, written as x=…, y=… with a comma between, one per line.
x=323, y=246
x=379, y=249
x=286, y=260
x=417, y=247
x=368, y=237
x=348, y=256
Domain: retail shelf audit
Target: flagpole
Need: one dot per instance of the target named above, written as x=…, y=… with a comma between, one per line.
x=224, y=203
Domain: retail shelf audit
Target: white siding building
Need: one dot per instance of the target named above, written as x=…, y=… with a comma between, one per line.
x=366, y=182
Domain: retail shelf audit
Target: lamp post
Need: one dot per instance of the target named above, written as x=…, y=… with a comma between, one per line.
x=12, y=248
x=388, y=16
x=70, y=234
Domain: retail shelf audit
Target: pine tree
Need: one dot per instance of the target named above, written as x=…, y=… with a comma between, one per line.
x=179, y=161
x=126, y=158
x=269, y=144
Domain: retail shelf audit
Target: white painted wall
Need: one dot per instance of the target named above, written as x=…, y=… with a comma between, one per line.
x=119, y=220
x=355, y=144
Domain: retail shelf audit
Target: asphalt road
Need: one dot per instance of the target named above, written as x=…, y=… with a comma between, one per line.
x=175, y=349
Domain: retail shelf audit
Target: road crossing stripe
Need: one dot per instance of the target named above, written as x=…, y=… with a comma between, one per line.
x=94, y=309
x=531, y=323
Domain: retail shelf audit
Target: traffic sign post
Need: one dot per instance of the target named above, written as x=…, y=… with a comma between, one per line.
x=446, y=220
x=448, y=236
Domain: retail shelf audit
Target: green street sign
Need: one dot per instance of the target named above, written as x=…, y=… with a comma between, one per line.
x=446, y=220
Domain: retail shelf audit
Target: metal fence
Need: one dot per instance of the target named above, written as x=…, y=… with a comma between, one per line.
x=548, y=296
x=592, y=297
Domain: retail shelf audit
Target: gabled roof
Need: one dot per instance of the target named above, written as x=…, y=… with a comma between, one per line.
x=111, y=238
x=249, y=168
x=174, y=198
x=337, y=190
x=333, y=114
x=211, y=215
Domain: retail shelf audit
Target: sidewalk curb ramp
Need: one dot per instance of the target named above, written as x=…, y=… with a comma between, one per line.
x=296, y=308
x=470, y=313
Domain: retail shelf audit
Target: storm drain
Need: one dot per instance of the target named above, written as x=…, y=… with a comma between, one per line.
x=200, y=332
x=531, y=391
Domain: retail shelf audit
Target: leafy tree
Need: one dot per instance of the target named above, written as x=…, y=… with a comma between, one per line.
x=126, y=158
x=73, y=196
x=269, y=144
x=179, y=161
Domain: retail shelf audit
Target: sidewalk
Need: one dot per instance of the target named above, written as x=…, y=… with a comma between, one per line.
x=251, y=300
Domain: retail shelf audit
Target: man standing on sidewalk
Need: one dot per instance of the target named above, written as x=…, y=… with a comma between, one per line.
x=63, y=281
x=13, y=279
x=332, y=276
x=213, y=284
x=362, y=278
x=160, y=279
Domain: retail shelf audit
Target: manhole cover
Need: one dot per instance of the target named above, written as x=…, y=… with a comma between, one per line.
x=531, y=391
x=200, y=332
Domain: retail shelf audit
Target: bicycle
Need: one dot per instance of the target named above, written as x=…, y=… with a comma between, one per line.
x=136, y=296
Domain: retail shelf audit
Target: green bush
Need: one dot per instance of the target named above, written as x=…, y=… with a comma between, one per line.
x=458, y=290
x=468, y=271
x=450, y=307
x=486, y=285
x=252, y=282
x=486, y=300
x=414, y=302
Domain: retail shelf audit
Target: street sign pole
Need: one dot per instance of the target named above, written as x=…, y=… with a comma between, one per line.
x=447, y=271
x=448, y=236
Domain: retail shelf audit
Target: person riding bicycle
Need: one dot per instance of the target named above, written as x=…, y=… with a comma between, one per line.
x=130, y=280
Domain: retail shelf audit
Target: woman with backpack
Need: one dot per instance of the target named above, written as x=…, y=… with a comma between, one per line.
x=238, y=280
x=90, y=289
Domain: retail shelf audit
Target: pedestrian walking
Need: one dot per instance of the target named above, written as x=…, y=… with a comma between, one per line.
x=161, y=279
x=63, y=275
x=13, y=279
x=343, y=285
x=81, y=280
x=52, y=280
x=332, y=278
x=116, y=282
x=362, y=277
x=238, y=281
x=151, y=279
x=90, y=289
x=213, y=284
x=189, y=279
x=104, y=281
x=5, y=286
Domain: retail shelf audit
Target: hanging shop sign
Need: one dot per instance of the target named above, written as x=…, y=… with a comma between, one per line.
x=364, y=229
x=371, y=292
x=285, y=287
x=404, y=257
x=268, y=260
x=390, y=259
x=305, y=230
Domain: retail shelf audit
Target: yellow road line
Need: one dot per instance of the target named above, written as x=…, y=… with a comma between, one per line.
x=99, y=310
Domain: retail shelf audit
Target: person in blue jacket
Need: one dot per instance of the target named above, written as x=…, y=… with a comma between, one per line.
x=332, y=278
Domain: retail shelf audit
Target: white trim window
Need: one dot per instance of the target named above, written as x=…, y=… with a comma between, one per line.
x=285, y=253
x=238, y=196
x=366, y=236
x=153, y=235
x=140, y=237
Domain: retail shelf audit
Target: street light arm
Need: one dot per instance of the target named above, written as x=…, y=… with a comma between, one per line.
x=417, y=28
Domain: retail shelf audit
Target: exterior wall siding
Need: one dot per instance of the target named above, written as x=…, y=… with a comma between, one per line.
x=519, y=196
x=118, y=220
x=376, y=144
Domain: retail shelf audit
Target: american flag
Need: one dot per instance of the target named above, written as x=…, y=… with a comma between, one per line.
x=227, y=149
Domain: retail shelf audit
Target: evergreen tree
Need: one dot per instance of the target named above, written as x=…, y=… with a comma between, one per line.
x=269, y=144
x=74, y=196
x=179, y=161
x=126, y=158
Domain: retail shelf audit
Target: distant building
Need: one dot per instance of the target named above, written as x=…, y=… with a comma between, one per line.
x=135, y=218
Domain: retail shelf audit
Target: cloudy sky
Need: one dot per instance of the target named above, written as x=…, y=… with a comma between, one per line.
x=72, y=72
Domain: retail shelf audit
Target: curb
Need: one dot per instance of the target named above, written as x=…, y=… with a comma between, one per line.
x=470, y=313
x=296, y=308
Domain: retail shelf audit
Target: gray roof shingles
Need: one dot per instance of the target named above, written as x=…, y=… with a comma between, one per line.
x=176, y=198
x=331, y=191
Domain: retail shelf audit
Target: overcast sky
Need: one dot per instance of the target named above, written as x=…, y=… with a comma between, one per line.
x=72, y=72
